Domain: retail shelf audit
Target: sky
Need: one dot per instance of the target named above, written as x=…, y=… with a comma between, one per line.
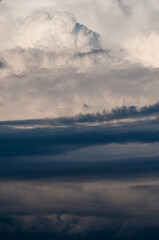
x=79, y=122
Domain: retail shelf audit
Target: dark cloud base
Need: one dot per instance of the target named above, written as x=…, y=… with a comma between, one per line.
x=52, y=141
x=42, y=171
x=34, y=169
x=144, y=233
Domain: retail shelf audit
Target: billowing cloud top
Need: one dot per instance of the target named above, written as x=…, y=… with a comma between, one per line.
x=57, y=32
x=61, y=58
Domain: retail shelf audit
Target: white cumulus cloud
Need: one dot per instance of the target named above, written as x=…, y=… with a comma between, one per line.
x=57, y=57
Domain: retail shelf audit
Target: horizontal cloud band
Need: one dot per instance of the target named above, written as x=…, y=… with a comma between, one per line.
x=117, y=113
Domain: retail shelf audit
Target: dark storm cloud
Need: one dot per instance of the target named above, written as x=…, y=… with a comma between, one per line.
x=117, y=113
x=29, y=153
x=98, y=230
x=34, y=169
x=95, y=218
x=47, y=140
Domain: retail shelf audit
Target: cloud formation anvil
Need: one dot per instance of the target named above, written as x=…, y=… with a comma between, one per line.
x=79, y=120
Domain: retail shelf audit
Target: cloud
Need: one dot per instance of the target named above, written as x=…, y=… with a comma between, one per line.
x=57, y=32
x=2, y=65
x=124, y=8
x=39, y=84
x=141, y=17
x=56, y=64
x=79, y=210
x=43, y=169
x=82, y=79
x=70, y=227
x=20, y=140
x=52, y=31
x=47, y=144
x=119, y=113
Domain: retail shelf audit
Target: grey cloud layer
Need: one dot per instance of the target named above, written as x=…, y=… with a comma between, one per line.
x=41, y=84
